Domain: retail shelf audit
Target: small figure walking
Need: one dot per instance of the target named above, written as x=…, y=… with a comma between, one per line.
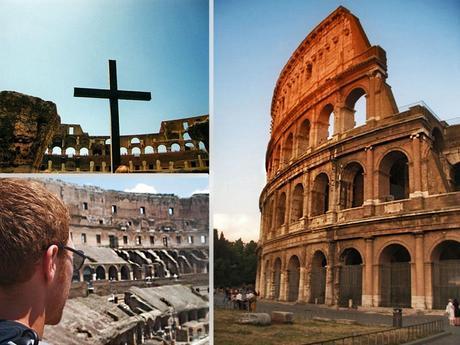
x=450, y=311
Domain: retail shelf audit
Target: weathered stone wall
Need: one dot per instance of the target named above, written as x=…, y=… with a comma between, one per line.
x=357, y=203
x=27, y=125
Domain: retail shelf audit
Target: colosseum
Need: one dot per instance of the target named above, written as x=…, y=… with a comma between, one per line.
x=352, y=215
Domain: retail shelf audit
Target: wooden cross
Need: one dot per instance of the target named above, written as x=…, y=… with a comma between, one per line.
x=113, y=94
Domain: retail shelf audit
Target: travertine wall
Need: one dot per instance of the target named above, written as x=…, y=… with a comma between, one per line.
x=357, y=204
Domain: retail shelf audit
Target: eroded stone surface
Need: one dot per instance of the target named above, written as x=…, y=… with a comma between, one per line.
x=27, y=125
x=258, y=319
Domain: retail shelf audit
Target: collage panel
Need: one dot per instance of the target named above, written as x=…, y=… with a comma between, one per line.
x=338, y=223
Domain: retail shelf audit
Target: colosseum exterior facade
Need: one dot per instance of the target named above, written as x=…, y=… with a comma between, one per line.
x=356, y=215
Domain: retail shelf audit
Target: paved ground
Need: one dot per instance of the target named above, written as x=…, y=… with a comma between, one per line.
x=453, y=339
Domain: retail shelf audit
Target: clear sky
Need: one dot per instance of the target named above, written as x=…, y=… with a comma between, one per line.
x=253, y=41
x=181, y=185
x=48, y=47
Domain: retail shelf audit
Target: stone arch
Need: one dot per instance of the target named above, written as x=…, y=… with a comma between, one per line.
x=88, y=273
x=438, y=140
x=268, y=213
x=136, y=151
x=135, y=141
x=84, y=151
x=350, y=277
x=325, y=124
x=113, y=273
x=186, y=136
x=124, y=273
x=100, y=273
x=445, y=276
x=281, y=210
x=267, y=274
x=276, y=158
x=320, y=195
x=395, y=276
x=70, y=152
x=148, y=150
x=202, y=146
x=137, y=272
x=108, y=141
x=288, y=149
x=97, y=149
x=394, y=176
x=175, y=147
x=303, y=137
x=189, y=146
x=123, y=151
x=456, y=177
x=352, y=186
x=318, y=278
x=352, y=113
x=161, y=148
x=297, y=203
x=56, y=150
x=293, y=278
x=276, y=278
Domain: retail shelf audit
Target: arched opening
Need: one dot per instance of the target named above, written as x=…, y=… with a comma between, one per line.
x=124, y=273
x=350, y=282
x=186, y=136
x=394, y=177
x=113, y=273
x=123, y=151
x=320, y=195
x=189, y=147
x=395, y=277
x=445, y=272
x=70, y=152
x=88, y=274
x=137, y=272
x=276, y=159
x=325, y=124
x=267, y=279
x=108, y=141
x=161, y=149
x=287, y=149
x=175, y=147
x=276, y=278
x=438, y=140
x=456, y=177
x=293, y=276
x=136, y=151
x=352, y=186
x=281, y=210
x=135, y=141
x=355, y=109
x=97, y=149
x=56, y=150
x=84, y=152
x=202, y=146
x=148, y=150
x=297, y=203
x=303, y=137
x=318, y=278
x=268, y=213
x=100, y=273
x=76, y=276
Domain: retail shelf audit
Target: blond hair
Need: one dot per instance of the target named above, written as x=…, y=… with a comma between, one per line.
x=31, y=219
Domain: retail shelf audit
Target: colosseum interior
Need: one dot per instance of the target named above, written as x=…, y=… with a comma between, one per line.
x=148, y=256
x=356, y=214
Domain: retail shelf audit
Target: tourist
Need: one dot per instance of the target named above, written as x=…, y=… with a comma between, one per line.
x=36, y=263
x=251, y=298
x=239, y=299
x=450, y=311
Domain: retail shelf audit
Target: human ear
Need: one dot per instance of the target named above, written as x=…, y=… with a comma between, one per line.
x=50, y=263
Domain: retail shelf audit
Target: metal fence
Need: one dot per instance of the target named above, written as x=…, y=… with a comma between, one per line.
x=393, y=336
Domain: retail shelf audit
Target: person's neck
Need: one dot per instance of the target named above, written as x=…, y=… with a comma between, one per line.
x=24, y=304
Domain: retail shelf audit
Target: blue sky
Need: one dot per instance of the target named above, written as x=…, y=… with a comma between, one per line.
x=48, y=47
x=253, y=41
x=181, y=185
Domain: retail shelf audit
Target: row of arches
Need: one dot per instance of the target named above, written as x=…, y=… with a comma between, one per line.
x=136, y=151
x=309, y=133
x=394, y=276
x=393, y=185
x=102, y=272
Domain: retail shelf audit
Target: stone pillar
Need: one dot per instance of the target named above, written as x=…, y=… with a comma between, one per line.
x=91, y=166
x=200, y=162
x=131, y=166
x=144, y=165
x=329, y=293
x=301, y=296
x=186, y=165
x=367, y=296
x=104, y=164
x=418, y=300
x=50, y=165
x=158, y=164
x=369, y=177
x=171, y=166
x=283, y=285
x=287, y=213
x=62, y=166
x=274, y=228
x=119, y=275
x=417, y=170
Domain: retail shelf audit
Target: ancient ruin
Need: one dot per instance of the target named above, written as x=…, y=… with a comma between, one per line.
x=34, y=140
x=140, y=247
x=356, y=215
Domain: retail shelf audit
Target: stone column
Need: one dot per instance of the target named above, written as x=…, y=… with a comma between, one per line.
x=103, y=167
x=158, y=164
x=417, y=170
x=369, y=176
x=50, y=165
x=287, y=213
x=301, y=296
x=418, y=301
x=283, y=276
x=367, y=296
x=329, y=293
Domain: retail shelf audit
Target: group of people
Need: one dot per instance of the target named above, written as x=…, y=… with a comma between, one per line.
x=241, y=299
x=453, y=312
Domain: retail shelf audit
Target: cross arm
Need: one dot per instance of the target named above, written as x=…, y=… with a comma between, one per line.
x=93, y=93
x=134, y=95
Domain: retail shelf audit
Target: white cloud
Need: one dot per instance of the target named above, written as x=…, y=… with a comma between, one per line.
x=142, y=188
x=201, y=191
x=238, y=225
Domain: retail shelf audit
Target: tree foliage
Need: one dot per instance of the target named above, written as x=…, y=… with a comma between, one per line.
x=235, y=263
